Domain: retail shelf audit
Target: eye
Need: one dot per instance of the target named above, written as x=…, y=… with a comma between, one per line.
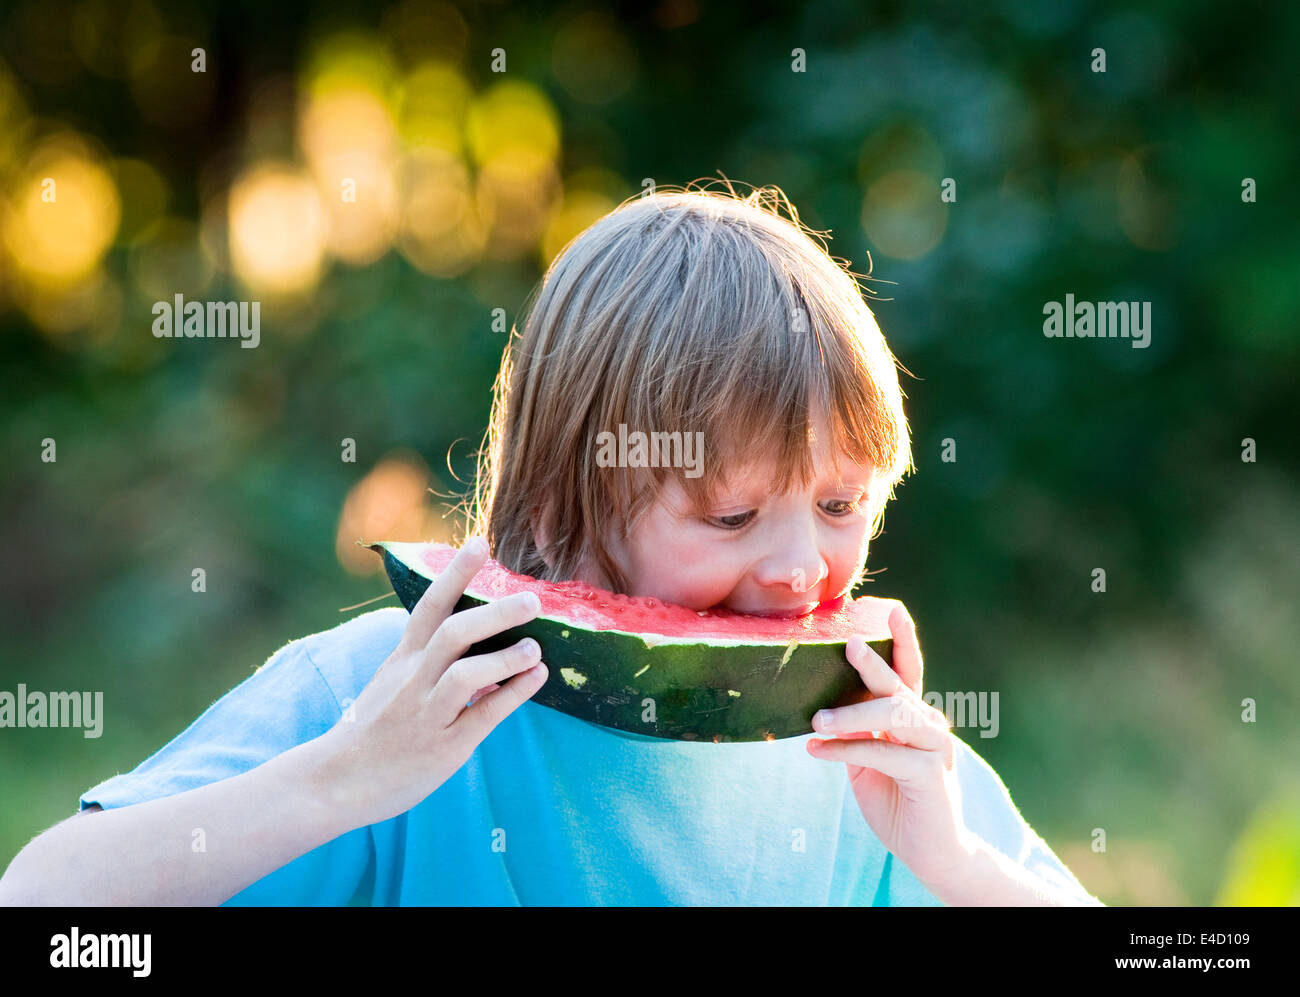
x=735, y=522
x=849, y=506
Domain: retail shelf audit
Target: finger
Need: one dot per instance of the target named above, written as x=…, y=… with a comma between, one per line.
x=906, y=718
x=907, y=649
x=440, y=598
x=906, y=764
x=468, y=675
x=482, y=692
x=879, y=678
x=460, y=631
x=898, y=761
x=479, y=720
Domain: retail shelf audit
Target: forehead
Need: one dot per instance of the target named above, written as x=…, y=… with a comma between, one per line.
x=749, y=463
x=751, y=478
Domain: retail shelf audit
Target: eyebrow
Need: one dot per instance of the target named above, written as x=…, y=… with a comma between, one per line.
x=750, y=496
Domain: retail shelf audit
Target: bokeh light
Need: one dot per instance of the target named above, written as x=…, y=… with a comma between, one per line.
x=350, y=61
x=64, y=213
x=513, y=122
x=277, y=230
x=902, y=214
x=518, y=201
x=350, y=142
x=392, y=502
x=442, y=231
x=435, y=101
x=514, y=136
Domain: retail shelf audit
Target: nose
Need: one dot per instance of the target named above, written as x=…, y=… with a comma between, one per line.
x=793, y=563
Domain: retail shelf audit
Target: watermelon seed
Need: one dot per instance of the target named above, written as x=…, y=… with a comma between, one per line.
x=789, y=650
x=574, y=678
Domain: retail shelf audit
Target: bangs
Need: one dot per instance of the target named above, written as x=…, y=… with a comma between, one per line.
x=757, y=364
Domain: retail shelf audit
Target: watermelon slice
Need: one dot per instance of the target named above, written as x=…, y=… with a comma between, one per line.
x=661, y=670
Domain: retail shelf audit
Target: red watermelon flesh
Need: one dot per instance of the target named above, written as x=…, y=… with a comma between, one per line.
x=597, y=609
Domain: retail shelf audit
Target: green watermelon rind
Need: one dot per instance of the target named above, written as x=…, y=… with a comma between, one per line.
x=699, y=691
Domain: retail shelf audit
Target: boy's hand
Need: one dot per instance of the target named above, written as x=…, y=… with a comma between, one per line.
x=411, y=728
x=904, y=780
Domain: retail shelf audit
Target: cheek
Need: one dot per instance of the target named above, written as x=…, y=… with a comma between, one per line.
x=681, y=573
x=844, y=565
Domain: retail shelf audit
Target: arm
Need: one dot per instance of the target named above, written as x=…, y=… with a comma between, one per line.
x=141, y=855
x=411, y=732
x=931, y=801
x=991, y=879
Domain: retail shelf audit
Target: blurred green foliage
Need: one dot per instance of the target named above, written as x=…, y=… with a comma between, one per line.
x=1121, y=711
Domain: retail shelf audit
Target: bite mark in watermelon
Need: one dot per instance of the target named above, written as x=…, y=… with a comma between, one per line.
x=648, y=667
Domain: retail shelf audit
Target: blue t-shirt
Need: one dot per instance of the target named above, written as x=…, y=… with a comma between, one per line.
x=552, y=810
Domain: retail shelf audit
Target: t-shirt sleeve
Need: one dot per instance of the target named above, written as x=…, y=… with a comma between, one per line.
x=286, y=702
x=989, y=812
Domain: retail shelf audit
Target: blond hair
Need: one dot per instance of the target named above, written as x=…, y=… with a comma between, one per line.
x=682, y=310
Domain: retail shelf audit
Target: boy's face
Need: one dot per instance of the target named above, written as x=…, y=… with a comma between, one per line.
x=789, y=553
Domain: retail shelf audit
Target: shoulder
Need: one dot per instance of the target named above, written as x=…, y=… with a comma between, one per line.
x=348, y=655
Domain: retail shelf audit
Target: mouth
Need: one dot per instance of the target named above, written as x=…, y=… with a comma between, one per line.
x=781, y=614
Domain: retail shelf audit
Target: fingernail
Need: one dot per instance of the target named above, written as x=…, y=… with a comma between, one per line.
x=476, y=545
x=823, y=720
x=533, y=602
